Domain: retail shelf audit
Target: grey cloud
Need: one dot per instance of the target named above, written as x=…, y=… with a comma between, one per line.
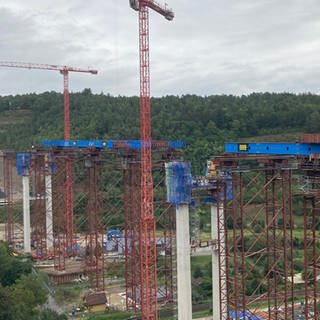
x=211, y=46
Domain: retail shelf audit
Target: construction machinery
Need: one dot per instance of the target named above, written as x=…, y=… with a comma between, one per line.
x=147, y=239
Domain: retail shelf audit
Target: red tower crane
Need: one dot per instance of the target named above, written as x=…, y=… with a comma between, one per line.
x=64, y=70
x=147, y=238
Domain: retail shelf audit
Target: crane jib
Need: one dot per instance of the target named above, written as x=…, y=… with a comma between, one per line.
x=163, y=10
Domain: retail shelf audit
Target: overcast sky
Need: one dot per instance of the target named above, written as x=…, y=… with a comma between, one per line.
x=211, y=47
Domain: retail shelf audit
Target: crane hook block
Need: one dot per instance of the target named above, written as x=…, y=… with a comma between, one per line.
x=134, y=4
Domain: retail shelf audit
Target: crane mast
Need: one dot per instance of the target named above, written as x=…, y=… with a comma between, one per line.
x=68, y=213
x=147, y=225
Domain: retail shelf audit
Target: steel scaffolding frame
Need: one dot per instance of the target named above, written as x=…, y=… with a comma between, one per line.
x=95, y=233
x=311, y=257
x=311, y=238
x=168, y=270
x=165, y=213
x=255, y=229
x=129, y=159
x=8, y=165
x=59, y=232
x=131, y=171
x=166, y=219
x=38, y=207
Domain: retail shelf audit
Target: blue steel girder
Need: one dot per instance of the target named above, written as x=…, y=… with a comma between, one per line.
x=273, y=148
x=111, y=144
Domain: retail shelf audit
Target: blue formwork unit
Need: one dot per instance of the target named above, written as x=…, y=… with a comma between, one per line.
x=23, y=163
x=178, y=182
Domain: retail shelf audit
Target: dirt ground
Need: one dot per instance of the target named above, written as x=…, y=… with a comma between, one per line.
x=116, y=296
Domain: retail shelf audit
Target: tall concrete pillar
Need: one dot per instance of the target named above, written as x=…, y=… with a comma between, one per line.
x=183, y=263
x=215, y=264
x=49, y=223
x=26, y=214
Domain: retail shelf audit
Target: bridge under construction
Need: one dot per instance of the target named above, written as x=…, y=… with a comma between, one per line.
x=264, y=221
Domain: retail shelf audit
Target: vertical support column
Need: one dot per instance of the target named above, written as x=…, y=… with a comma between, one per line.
x=131, y=200
x=37, y=208
x=58, y=207
x=8, y=190
x=311, y=258
x=26, y=213
x=222, y=259
x=215, y=263
x=178, y=182
x=183, y=263
x=169, y=254
x=287, y=226
x=95, y=232
x=69, y=223
x=127, y=205
x=236, y=296
x=49, y=225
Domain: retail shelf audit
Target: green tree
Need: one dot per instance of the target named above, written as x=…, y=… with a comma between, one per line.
x=29, y=290
x=6, y=303
x=11, y=268
x=48, y=314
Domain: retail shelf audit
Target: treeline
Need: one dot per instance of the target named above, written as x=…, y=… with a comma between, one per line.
x=204, y=123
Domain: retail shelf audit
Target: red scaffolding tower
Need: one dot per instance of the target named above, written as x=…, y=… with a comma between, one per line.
x=95, y=229
x=311, y=240
x=255, y=237
x=8, y=165
x=38, y=207
x=131, y=173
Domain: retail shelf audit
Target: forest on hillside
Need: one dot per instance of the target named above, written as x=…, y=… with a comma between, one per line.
x=204, y=123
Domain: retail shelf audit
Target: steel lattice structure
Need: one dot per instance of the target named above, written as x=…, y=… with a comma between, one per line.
x=95, y=233
x=97, y=187
x=165, y=220
x=131, y=172
x=311, y=238
x=255, y=237
x=59, y=232
x=147, y=243
x=8, y=165
x=285, y=199
x=38, y=209
x=166, y=249
x=311, y=262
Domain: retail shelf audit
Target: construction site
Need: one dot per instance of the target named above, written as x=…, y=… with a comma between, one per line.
x=84, y=208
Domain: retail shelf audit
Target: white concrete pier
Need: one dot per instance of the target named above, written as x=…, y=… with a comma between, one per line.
x=26, y=214
x=215, y=264
x=183, y=263
x=49, y=225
